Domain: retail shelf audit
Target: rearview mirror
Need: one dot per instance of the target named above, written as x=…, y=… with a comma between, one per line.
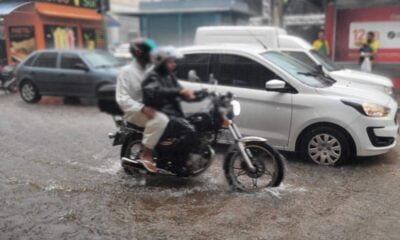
x=81, y=66
x=275, y=85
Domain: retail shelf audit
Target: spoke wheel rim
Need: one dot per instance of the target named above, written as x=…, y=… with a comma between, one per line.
x=324, y=149
x=28, y=91
x=254, y=181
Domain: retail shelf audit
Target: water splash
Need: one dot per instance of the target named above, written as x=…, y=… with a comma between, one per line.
x=283, y=189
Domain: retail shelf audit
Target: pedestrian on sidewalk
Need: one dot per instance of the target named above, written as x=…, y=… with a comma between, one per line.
x=321, y=44
x=368, y=51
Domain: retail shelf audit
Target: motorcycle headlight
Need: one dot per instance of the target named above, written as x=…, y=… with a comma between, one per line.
x=236, y=107
x=369, y=109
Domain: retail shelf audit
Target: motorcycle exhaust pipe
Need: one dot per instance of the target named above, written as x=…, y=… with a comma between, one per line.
x=124, y=159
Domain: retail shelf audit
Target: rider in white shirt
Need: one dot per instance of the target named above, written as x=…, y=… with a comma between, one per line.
x=129, y=97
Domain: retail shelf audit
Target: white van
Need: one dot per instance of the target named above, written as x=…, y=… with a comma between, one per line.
x=277, y=38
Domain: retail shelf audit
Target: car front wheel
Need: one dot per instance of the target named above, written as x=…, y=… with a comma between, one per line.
x=29, y=92
x=325, y=145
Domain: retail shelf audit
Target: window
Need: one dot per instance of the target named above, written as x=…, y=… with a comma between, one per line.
x=30, y=60
x=197, y=62
x=240, y=71
x=60, y=37
x=301, y=72
x=302, y=57
x=101, y=59
x=325, y=61
x=69, y=60
x=93, y=38
x=46, y=60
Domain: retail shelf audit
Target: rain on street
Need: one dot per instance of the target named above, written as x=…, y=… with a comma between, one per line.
x=60, y=178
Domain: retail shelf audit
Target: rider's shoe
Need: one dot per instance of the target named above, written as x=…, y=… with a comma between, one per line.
x=149, y=165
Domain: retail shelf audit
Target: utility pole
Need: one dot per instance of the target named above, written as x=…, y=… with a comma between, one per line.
x=277, y=12
x=102, y=7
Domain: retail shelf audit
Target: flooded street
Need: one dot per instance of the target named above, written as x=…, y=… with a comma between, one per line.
x=60, y=178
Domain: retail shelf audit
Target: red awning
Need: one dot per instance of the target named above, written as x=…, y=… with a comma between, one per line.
x=58, y=10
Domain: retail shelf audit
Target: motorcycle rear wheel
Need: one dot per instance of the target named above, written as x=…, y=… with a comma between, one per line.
x=268, y=162
x=131, y=150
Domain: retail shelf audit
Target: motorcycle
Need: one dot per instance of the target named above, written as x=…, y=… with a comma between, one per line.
x=8, y=81
x=249, y=165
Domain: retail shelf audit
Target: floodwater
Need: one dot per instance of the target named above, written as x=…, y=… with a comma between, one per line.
x=60, y=178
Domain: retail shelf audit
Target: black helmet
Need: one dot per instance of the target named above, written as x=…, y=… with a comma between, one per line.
x=142, y=46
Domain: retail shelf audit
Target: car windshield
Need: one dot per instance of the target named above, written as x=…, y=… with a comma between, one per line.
x=101, y=59
x=301, y=72
x=325, y=61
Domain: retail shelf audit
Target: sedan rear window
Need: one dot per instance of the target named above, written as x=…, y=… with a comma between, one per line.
x=101, y=59
x=46, y=60
x=70, y=60
x=28, y=62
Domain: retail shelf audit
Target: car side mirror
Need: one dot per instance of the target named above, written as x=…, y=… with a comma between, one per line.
x=81, y=66
x=275, y=86
x=192, y=76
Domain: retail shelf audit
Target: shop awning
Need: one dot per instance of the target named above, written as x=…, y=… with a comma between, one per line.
x=55, y=10
x=7, y=7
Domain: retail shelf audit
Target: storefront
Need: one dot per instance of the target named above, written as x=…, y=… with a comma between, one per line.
x=348, y=24
x=31, y=25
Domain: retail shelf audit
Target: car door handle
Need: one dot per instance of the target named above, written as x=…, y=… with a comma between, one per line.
x=61, y=75
x=32, y=73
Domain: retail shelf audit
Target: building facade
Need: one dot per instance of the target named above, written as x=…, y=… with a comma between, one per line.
x=30, y=25
x=127, y=27
x=174, y=22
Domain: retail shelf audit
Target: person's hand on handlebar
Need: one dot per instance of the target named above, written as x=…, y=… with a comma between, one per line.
x=187, y=94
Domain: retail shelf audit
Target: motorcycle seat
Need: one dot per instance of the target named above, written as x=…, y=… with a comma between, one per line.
x=134, y=127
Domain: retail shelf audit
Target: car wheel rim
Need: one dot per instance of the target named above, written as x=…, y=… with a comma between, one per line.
x=324, y=149
x=28, y=92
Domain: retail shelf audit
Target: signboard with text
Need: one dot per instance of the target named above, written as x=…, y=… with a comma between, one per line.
x=22, y=41
x=75, y=3
x=387, y=33
x=352, y=26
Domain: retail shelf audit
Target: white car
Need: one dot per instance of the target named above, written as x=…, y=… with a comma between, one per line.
x=296, y=110
x=304, y=52
x=277, y=38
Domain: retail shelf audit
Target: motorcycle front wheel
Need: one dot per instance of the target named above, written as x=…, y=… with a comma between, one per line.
x=269, y=164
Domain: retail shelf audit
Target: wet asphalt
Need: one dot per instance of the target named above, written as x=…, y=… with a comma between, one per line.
x=60, y=178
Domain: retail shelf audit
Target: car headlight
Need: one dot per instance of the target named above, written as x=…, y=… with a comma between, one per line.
x=369, y=109
x=236, y=107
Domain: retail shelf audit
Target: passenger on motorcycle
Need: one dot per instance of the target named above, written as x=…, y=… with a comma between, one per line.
x=129, y=98
x=162, y=91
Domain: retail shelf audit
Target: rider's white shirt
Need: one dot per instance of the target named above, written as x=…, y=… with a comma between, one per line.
x=129, y=88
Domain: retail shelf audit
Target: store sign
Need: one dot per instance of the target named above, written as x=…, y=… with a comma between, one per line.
x=387, y=33
x=75, y=3
x=22, y=40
